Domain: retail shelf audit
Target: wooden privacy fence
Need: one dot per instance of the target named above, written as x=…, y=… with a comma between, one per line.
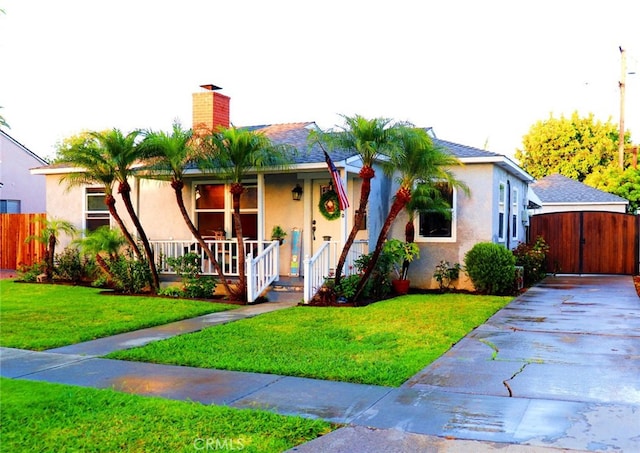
x=589, y=242
x=14, y=230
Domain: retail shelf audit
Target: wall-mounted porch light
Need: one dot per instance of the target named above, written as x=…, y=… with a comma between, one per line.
x=296, y=193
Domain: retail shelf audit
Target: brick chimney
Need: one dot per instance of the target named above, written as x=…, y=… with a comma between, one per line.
x=210, y=109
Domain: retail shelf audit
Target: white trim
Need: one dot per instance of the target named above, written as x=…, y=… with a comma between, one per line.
x=502, y=209
x=454, y=224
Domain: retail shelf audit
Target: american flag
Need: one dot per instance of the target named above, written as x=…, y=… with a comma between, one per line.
x=337, y=183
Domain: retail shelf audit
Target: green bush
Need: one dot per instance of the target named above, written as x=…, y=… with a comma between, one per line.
x=532, y=258
x=491, y=268
x=70, y=266
x=188, y=269
x=29, y=274
x=131, y=275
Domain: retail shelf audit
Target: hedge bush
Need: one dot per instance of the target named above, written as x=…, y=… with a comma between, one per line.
x=491, y=268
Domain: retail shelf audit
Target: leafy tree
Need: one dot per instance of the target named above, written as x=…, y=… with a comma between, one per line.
x=169, y=156
x=574, y=147
x=232, y=154
x=104, y=244
x=84, y=152
x=612, y=179
x=415, y=160
x=49, y=234
x=369, y=138
x=582, y=149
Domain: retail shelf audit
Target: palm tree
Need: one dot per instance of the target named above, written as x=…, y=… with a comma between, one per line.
x=415, y=160
x=104, y=244
x=123, y=153
x=96, y=167
x=232, y=153
x=51, y=230
x=369, y=138
x=170, y=155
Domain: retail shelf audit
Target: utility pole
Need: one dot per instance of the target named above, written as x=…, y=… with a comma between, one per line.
x=622, y=83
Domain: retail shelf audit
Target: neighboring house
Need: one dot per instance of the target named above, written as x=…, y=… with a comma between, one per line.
x=20, y=191
x=558, y=193
x=494, y=211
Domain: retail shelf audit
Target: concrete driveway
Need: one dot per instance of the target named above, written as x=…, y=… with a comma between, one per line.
x=558, y=368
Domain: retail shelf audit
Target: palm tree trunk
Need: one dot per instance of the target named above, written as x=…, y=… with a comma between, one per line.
x=366, y=173
x=110, y=201
x=105, y=267
x=401, y=199
x=177, y=187
x=125, y=192
x=51, y=251
x=236, y=191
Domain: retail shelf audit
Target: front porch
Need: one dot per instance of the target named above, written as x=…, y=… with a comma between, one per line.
x=262, y=262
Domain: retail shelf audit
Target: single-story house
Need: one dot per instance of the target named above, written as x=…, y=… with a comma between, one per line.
x=494, y=211
x=20, y=191
x=557, y=193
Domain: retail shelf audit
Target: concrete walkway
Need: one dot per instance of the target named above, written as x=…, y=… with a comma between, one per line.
x=557, y=369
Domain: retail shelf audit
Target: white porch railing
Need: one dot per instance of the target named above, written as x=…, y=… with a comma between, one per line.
x=262, y=270
x=322, y=265
x=225, y=251
x=262, y=263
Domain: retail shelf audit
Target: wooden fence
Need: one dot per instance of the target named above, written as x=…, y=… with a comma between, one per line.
x=14, y=230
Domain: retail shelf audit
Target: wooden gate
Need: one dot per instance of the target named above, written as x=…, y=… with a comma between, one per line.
x=14, y=230
x=589, y=242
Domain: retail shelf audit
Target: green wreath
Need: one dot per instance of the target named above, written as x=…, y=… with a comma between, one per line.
x=329, y=205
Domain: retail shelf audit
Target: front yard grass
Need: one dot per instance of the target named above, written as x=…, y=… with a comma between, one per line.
x=382, y=344
x=38, y=416
x=39, y=316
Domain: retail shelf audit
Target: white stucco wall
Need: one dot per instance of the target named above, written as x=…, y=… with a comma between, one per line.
x=17, y=181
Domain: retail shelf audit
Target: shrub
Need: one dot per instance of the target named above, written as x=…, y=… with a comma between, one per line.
x=532, y=258
x=446, y=273
x=491, y=268
x=30, y=273
x=72, y=267
x=188, y=269
x=131, y=275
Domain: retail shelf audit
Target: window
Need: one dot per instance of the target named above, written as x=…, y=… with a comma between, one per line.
x=502, y=201
x=436, y=226
x=515, y=210
x=9, y=206
x=214, y=210
x=96, y=211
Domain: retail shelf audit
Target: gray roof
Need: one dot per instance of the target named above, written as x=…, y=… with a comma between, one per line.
x=463, y=151
x=296, y=134
x=560, y=189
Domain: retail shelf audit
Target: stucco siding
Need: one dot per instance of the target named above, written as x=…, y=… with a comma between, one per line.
x=17, y=181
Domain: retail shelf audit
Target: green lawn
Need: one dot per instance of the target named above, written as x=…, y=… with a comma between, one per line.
x=37, y=316
x=39, y=416
x=384, y=343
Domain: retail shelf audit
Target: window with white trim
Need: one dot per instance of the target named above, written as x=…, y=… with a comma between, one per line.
x=214, y=210
x=502, y=202
x=515, y=212
x=96, y=213
x=434, y=226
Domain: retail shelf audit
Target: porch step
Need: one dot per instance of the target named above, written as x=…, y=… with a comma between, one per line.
x=287, y=289
x=288, y=284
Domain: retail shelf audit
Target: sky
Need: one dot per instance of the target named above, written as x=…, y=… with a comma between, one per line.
x=481, y=73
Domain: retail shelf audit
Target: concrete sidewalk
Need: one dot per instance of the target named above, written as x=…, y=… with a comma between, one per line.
x=558, y=368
